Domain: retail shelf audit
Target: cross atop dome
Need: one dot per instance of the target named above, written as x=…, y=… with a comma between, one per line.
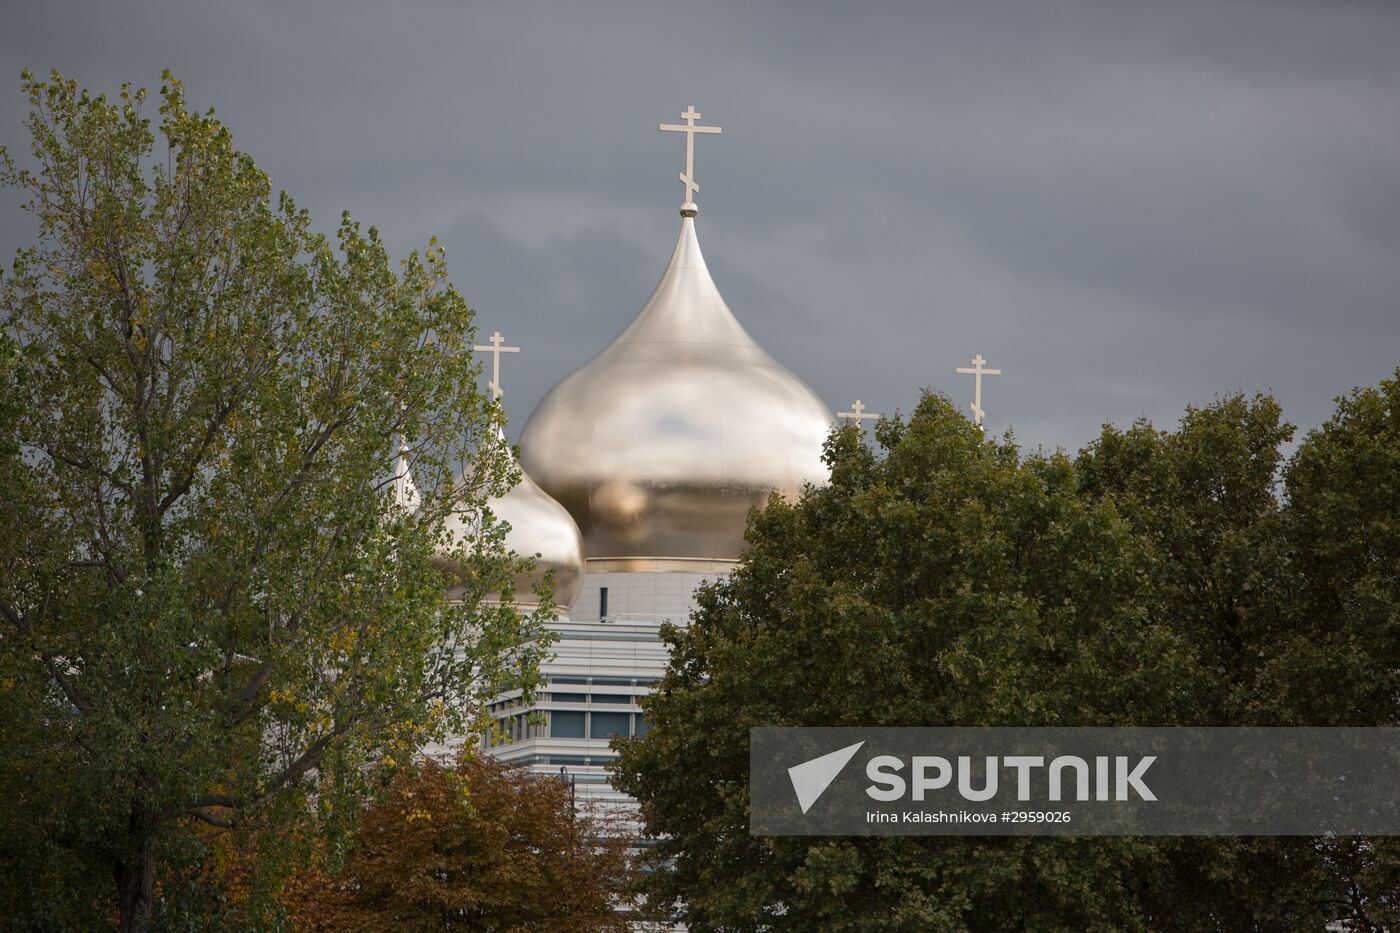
x=977, y=372
x=687, y=177
x=496, y=350
x=858, y=413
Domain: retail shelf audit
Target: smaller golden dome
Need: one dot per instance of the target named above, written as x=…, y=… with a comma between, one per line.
x=542, y=528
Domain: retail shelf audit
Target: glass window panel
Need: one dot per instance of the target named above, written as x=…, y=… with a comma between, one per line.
x=569, y=697
x=566, y=725
x=641, y=725
x=606, y=725
x=611, y=698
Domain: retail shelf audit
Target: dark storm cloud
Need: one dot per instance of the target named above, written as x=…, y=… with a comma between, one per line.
x=1128, y=207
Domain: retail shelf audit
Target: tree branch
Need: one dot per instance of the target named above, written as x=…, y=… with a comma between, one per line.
x=182, y=485
x=243, y=706
x=65, y=684
x=83, y=465
x=211, y=819
x=216, y=800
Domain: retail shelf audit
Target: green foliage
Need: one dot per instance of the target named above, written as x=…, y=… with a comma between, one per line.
x=1156, y=579
x=216, y=607
x=1204, y=498
x=1342, y=532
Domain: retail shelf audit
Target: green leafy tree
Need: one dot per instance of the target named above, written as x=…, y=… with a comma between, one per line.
x=1342, y=533
x=1290, y=603
x=1336, y=659
x=218, y=604
x=1205, y=500
x=944, y=579
x=949, y=582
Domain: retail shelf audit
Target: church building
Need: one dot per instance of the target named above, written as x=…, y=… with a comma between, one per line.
x=640, y=468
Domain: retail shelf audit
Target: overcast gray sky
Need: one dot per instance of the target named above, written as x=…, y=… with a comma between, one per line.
x=1127, y=206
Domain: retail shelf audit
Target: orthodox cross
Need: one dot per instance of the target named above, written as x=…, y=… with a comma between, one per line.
x=690, y=129
x=857, y=413
x=977, y=372
x=496, y=350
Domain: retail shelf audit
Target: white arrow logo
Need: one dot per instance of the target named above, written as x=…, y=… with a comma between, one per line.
x=811, y=778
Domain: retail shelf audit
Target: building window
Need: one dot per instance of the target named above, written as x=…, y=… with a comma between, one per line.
x=611, y=697
x=566, y=725
x=569, y=697
x=606, y=725
x=641, y=725
x=602, y=602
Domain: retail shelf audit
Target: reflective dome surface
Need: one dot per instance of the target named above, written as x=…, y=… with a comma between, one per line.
x=540, y=527
x=661, y=443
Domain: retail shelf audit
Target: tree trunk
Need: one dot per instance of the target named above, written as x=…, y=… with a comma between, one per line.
x=135, y=888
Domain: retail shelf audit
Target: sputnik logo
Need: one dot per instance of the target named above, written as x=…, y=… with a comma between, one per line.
x=811, y=778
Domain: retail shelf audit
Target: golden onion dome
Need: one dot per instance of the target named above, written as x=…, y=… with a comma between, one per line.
x=539, y=527
x=660, y=444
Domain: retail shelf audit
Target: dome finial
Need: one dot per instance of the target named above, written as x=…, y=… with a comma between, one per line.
x=859, y=414
x=406, y=494
x=977, y=372
x=688, y=208
x=496, y=350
